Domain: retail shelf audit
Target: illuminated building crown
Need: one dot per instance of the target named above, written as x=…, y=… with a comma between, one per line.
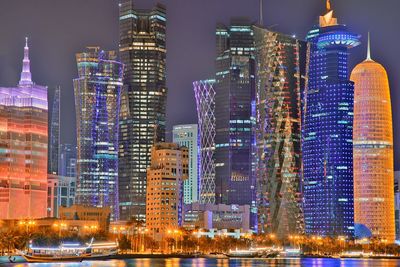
x=26, y=76
x=328, y=19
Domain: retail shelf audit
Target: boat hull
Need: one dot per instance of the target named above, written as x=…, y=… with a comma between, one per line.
x=52, y=259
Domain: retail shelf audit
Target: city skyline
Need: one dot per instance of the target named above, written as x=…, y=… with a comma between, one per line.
x=303, y=13
x=196, y=128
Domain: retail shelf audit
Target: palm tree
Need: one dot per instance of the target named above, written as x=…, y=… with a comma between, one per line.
x=9, y=240
x=134, y=224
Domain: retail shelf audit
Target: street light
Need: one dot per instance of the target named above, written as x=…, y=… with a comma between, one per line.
x=141, y=240
x=341, y=239
x=174, y=234
x=28, y=224
x=272, y=236
x=60, y=226
x=384, y=241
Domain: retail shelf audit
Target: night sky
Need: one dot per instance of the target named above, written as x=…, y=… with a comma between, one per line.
x=57, y=29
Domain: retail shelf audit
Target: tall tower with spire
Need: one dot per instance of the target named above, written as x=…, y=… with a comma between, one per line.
x=373, y=149
x=23, y=141
x=328, y=130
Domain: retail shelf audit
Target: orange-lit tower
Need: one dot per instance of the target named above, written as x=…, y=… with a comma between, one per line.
x=373, y=150
x=23, y=147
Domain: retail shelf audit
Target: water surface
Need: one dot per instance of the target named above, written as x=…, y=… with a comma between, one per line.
x=201, y=262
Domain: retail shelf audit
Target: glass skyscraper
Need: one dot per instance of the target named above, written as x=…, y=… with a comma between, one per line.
x=67, y=161
x=205, y=101
x=54, y=144
x=373, y=150
x=142, y=49
x=281, y=66
x=328, y=131
x=97, y=101
x=235, y=114
x=187, y=136
x=23, y=147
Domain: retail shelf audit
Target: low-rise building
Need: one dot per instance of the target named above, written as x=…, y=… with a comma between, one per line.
x=86, y=213
x=62, y=227
x=218, y=217
x=61, y=192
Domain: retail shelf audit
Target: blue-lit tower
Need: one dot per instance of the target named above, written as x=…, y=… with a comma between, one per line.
x=97, y=101
x=328, y=130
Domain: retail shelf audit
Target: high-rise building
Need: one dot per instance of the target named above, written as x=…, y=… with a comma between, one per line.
x=67, y=161
x=142, y=49
x=23, y=147
x=186, y=136
x=54, y=140
x=235, y=114
x=165, y=176
x=281, y=66
x=97, y=100
x=373, y=150
x=328, y=130
x=205, y=102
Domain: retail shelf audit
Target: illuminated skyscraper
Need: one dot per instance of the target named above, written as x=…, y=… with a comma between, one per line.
x=281, y=65
x=235, y=114
x=205, y=102
x=142, y=49
x=54, y=144
x=373, y=150
x=23, y=147
x=186, y=136
x=97, y=101
x=328, y=130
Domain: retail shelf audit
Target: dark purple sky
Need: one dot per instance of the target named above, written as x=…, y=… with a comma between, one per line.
x=59, y=28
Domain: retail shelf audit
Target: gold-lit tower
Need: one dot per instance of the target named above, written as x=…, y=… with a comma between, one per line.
x=373, y=150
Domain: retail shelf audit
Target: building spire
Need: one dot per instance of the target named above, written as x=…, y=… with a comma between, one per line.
x=261, y=22
x=26, y=76
x=369, y=48
x=328, y=5
x=328, y=19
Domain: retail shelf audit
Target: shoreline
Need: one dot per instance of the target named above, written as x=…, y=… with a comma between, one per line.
x=19, y=259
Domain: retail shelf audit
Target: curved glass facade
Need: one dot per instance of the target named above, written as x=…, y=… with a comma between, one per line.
x=373, y=150
x=97, y=100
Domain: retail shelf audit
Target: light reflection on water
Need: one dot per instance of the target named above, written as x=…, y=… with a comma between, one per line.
x=201, y=262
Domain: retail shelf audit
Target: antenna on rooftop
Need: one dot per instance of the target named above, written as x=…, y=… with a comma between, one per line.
x=261, y=19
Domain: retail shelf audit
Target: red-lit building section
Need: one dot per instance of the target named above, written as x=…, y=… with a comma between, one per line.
x=23, y=148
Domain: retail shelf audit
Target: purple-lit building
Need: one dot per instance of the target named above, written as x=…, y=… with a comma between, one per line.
x=97, y=100
x=205, y=101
